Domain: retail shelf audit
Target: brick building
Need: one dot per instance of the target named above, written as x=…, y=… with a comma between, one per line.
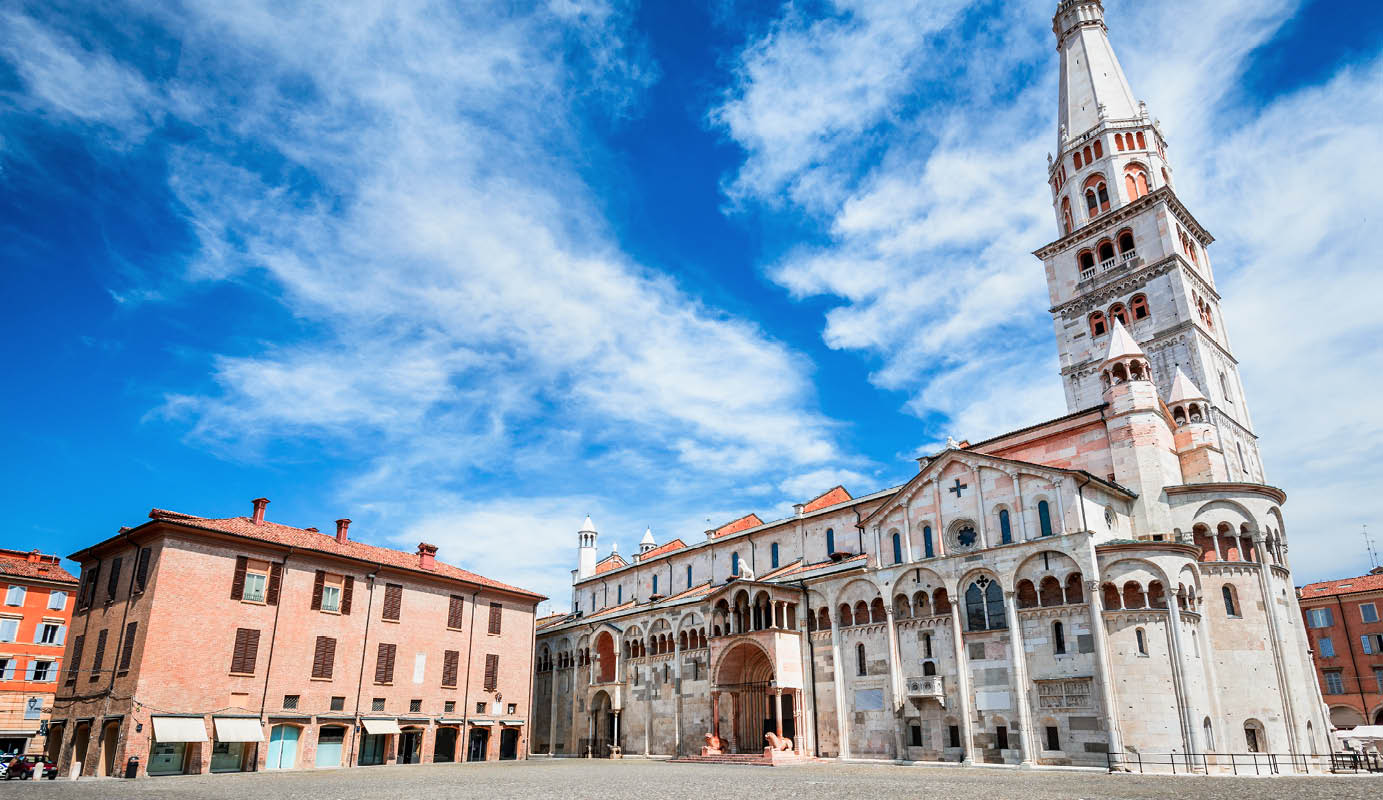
x=1343, y=621
x=225, y=645
x=36, y=593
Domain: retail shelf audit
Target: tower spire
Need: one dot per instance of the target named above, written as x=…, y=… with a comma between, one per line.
x=1093, y=86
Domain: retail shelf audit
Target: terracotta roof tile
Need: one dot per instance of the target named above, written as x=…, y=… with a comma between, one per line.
x=21, y=564
x=612, y=561
x=1363, y=583
x=305, y=539
x=735, y=526
x=668, y=547
x=833, y=497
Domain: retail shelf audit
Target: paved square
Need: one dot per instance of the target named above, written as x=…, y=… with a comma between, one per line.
x=645, y=780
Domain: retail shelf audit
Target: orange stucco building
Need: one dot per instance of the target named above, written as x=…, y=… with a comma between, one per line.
x=37, y=596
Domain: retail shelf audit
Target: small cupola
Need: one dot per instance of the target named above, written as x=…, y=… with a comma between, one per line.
x=1187, y=403
x=647, y=542
x=1125, y=360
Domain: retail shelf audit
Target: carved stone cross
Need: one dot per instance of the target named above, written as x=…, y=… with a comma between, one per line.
x=959, y=487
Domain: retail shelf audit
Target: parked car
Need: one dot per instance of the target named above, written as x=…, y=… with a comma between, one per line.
x=30, y=767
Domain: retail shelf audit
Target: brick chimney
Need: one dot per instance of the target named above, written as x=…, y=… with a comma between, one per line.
x=427, y=555
x=260, y=503
x=341, y=526
x=34, y=557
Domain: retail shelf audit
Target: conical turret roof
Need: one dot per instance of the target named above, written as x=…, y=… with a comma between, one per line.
x=587, y=526
x=1121, y=344
x=648, y=537
x=1183, y=389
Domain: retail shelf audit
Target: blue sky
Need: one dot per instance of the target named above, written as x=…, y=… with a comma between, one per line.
x=468, y=274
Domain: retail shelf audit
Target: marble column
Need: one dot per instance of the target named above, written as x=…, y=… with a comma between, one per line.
x=907, y=532
x=1022, y=510
x=1101, y=639
x=979, y=502
x=677, y=696
x=1022, y=695
x=895, y=683
x=962, y=685
x=778, y=711
x=837, y=669
x=1275, y=640
x=1190, y=715
x=715, y=714
x=1060, y=527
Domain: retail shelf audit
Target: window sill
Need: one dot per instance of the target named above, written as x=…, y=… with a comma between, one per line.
x=241, y=674
x=388, y=683
x=323, y=680
x=458, y=630
x=386, y=619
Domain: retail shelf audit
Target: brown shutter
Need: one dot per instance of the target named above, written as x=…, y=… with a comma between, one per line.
x=271, y=597
x=317, y=584
x=454, y=613
x=323, y=657
x=99, y=655
x=384, y=664
x=495, y=610
x=75, y=664
x=141, y=570
x=450, y=658
x=393, y=601
x=127, y=651
x=346, y=594
x=113, y=582
x=238, y=582
x=491, y=671
x=89, y=590
x=246, y=651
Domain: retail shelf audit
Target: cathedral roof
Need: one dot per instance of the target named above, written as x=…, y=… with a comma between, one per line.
x=826, y=499
x=735, y=526
x=1121, y=344
x=666, y=547
x=1183, y=389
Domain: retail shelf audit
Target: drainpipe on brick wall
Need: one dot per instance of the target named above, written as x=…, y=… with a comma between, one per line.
x=1349, y=642
x=466, y=692
x=811, y=664
x=532, y=637
x=273, y=633
x=364, y=642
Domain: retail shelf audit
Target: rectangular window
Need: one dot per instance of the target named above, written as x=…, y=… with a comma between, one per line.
x=512, y=708
x=1001, y=737
x=1334, y=682
x=244, y=654
x=377, y=704
x=9, y=629
x=384, y=663
x=495, y=610
x=491, y=671
x=1378, y=679
x=338, y=703
x=655, y=584
x=480, y=708
x=290, y=702
x=415, y=705
x=251, y=581
x=419, y=667
x=99, y=655
x=1327, y=648
x=57, y=600
x=1373, y=643
x=74, y=664
x=113, y=580
x=1369, y=612
x=393, y=602
x=1053, y=738
x=324, y=657
x=7, y=666
x=331, y=598
x=773, y=555
x=619, y=593
x=14, y=596
x=1320, y=618
x=48, y=633
x=141, y=569
x=43, y=672
x=449, y=707
x=927, y=645
x=89, y=578
x=689, y=577
x=127, y=649
x=456, y=612
x=953, y=735
x=450, y=661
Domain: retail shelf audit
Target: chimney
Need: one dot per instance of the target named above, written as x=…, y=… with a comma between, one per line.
x=341, y=526
x=427, y=555
x=314, y=530
x=258, y=517
x=798, y=509
x=34, y=557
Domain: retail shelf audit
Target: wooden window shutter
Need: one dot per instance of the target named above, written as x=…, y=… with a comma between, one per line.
x=323, y=657
x=455, y=613
x=246, y=651
x=75, y=664
x=384, y=663
x=317, y=584
x=271, y=596
x=346, y=592
x=89, y=590
x=393, y=601
x=495, y=610
x=99, y=655
x=141, y=570
x=113, y=582
x=238, y=582
x=450, y=659
x=127, y=650
x=491, y=671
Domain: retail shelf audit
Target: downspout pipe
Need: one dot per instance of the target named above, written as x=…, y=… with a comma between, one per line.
x=466, y=693
x=274, y=632
x=532, y=677
x=364, y=642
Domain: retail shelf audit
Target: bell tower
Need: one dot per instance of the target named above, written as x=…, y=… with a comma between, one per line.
x=1128, y=249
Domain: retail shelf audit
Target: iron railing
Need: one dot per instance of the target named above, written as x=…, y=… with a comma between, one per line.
x=1245, y=763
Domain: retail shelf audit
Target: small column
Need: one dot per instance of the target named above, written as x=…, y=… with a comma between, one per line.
x=778, y=711
x=1189, y=714
x=1060, y=526
x=734, y=722
x=938, y=535
x=715, y=714
x=979, y=501
x=1275, y=640
x=895, y=682
x=552, y=714
x=962, y=684
x=843, y=738
x=799, y=735
x=677, y=696
x=1101, y=637
x=878, y=547
x=1022, y=510
x=1027, y=734
x=615, y=743
x=907, y=532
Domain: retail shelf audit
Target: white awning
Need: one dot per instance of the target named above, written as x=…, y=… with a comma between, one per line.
x=482, y=722
x=511, y=722
x=179, y=729
x=238, y=729
x=377, y=726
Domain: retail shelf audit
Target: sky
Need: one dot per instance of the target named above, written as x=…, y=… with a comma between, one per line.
x=468, y=272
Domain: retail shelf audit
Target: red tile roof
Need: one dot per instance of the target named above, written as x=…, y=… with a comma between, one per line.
x=32, y=564
x=307, y=539
x=1363, y=583
x=735, y=526
x=612, y=561
x=675, y=544
x=833, y=497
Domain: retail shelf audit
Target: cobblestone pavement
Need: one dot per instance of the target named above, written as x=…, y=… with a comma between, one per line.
x=640, y=780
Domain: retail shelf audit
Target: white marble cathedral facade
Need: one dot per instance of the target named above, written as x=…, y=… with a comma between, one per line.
x=1112, y=581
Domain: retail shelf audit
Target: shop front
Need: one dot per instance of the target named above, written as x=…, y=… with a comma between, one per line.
x=237, y=743
x=444, y=742
x=374, y=744
x=331, y=743
x=509, y=737
x=174, y=737
x=478, y=745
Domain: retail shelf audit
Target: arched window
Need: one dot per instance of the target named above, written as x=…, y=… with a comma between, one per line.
x=1224, y=387
x=1103, y=191
x=1099, y=149
x=619, y=595
x=1086, y=153
x=1058, y=639
x=1209, y=732
x=734, y=563
x=860, y=667
x=1097, y=324
x=1119, y=141
x=1142, y=640
x=1139, y=306
x=1231, y=602
x=773, y=555
x=1253, y=737
x=1005, y=529
x=1126, y=243
x=1068, y=223
x=928, y=668
x=984, y=605
x=1142, y=143
x=1117, y=311
x=1044, y=517
x=1106, y=254
x=1092, y=203
x=1075, y=157
x=897, y=548
x=844, y=618
x=927, y=541
x=830, y=541
x=689, y=576
x=1086, y=260
x=1136, y=181
x=655, y=583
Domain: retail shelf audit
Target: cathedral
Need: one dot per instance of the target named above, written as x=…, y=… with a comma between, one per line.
x=1108, y=583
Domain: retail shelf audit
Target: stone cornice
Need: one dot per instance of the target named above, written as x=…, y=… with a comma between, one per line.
x=1126, y=283
x=1187, y=550
x=1119, y=215
x=1229, y=487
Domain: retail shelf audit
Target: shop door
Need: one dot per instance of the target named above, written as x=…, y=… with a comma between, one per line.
x=283, y=748
x=330, y=743
x=508, y=744
x=444, y=750
x=479, y=744
x=372, y=749
x=108, y=739
x=410, y=747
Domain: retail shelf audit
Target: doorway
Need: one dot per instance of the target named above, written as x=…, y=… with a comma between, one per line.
x=330, y=743
x=53, y=749
x=106, y=766
x=509, y=744
x=444, y=747
x=372, y=749
x=479, y=744
x=283, y=747
x=410, y=746
x=79, y=743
